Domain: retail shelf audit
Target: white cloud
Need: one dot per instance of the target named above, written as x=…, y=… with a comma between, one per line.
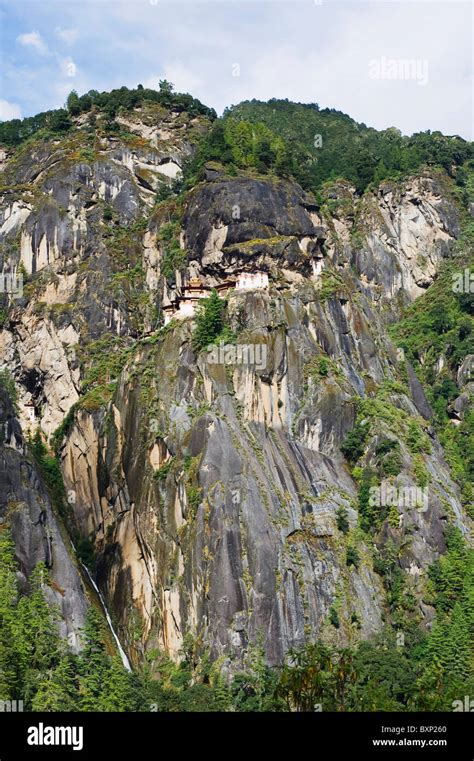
x=33, y=40
x=69, y=36
x=9, y=111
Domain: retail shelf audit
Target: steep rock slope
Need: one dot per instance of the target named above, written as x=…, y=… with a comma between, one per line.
x=236, y=535
x=72, y=213
x=25, y=509
x=397, y=239
x=212, y=494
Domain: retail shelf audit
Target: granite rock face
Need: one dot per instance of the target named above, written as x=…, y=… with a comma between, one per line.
x=72, y=215
x=211, y=491
x=213, y=505
x=395, y=239
x=25, y=507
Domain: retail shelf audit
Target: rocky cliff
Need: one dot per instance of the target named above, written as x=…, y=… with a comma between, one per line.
x=38, y=535
x=215, y=494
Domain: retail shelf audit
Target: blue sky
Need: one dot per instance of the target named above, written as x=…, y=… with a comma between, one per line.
x=346, y=55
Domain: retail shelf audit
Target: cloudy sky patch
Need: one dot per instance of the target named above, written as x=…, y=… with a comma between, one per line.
x=33, y=40
x=225, y=51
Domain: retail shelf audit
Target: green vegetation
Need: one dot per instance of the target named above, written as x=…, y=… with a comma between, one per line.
x=162, y=472
x=352, y=557
x=374, y=414
x=240, y=145
x=418, y=671
x=102, y=362
x=353, y=446
x=210, y=327
x=15, y=131
x=193, y=496
x=63, y=429
x=321, y=367
x=193, y=490
x=437, y=334
x=50, y=470
x=36, y=665
x=332, y=285
x=439, y=326
x=342, y=520
x=126, y=286
x=7, y=382
x=371, y=516
x=334, y=617
x=422, y=670
x=174, y=257
x=401, y=602
x=85, y=551
x=107, y=214
x=402, y=668
x=388, y=456
x=325, y=144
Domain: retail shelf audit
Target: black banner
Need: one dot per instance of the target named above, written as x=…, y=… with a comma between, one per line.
x=136, y=736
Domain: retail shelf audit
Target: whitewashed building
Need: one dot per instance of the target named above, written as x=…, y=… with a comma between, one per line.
x=252, y=281
x=185, y=306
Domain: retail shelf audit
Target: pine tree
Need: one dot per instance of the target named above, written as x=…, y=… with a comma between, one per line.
x=8, y=596
x=57, y=689
x=209, y=321
x=73, y=103
x=35, y=629
x=120, y=690
x=93, y=663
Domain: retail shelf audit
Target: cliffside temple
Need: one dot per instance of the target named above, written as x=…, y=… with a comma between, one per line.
x=183, y=307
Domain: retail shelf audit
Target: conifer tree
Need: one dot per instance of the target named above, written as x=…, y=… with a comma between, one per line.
x=93, y=665
x=209, y=321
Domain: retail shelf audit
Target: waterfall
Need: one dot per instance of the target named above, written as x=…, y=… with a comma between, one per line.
x=122, y=652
